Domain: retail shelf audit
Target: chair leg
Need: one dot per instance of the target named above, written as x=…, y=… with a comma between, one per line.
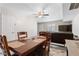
x=63, y=46
x=67, y=51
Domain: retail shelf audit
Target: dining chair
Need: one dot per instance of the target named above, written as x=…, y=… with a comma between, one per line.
x=59, y=41
x=5, y=48
x=4, y=45
x=47, y=45
x=22, y=35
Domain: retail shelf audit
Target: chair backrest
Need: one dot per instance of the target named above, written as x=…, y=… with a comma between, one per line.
x=22, y=35
x=59, y=38
x=46, y=34
x=4, y=45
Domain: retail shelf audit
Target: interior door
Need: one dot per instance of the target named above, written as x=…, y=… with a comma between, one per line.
x=9, y=24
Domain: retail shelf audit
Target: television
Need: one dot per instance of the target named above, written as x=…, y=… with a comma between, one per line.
x=65, y=28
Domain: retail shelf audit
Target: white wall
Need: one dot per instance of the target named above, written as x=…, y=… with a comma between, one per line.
x=55, y=11
x=75, y=25
x=16, y=19
x=69, y=15
x=0, y=22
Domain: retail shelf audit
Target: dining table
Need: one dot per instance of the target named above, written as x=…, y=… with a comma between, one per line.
x=25, y=47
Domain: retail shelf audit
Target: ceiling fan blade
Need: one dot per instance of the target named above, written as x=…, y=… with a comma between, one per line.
x=45, y=14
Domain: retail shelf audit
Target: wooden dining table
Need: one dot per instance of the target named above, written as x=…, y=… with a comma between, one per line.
x=25, y=47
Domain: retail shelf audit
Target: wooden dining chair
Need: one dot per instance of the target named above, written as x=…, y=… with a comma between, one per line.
x=48, y=39
x=4, y=45
x=5, y=48
x=22, y=35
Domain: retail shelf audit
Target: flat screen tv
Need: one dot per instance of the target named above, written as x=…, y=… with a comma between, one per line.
x=65, y=28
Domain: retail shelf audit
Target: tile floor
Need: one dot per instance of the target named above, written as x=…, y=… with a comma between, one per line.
x=57, y=51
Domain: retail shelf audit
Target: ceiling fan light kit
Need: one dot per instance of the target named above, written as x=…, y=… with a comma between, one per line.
x=41, y=13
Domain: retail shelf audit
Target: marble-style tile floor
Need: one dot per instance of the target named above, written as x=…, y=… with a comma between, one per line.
x=57, y=51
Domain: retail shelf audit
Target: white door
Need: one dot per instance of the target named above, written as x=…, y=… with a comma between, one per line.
x=8, y=25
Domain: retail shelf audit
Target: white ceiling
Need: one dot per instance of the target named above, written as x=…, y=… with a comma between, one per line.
x=30, y=6
x=54, y=9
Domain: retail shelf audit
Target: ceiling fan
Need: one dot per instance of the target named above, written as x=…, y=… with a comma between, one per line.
x=40, y=13
x=39, y=10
